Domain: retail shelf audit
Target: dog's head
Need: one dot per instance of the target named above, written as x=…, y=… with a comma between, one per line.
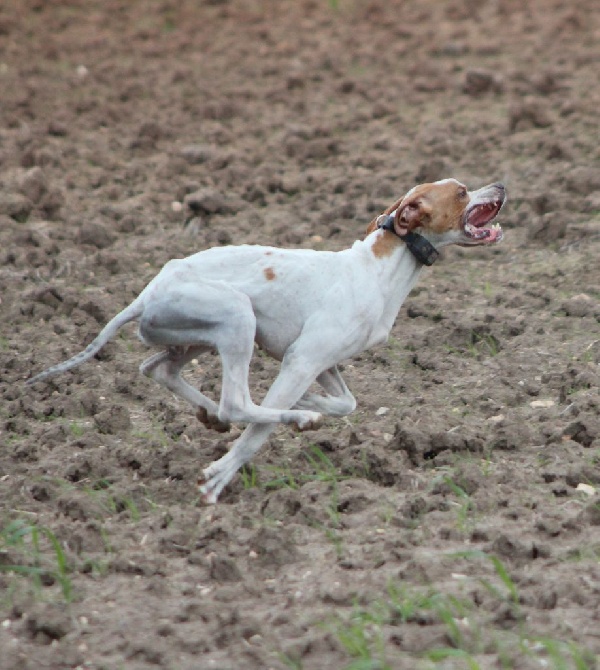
x=445, y=212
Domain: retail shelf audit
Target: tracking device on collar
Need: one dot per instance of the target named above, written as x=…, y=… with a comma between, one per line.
x=419, y=247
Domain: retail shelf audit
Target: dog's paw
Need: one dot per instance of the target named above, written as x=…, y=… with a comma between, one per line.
x=208, y=496
x=309, y=421
x=216, y=476
x=211, y=421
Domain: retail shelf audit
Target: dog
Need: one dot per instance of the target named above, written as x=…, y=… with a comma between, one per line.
x=308, y=309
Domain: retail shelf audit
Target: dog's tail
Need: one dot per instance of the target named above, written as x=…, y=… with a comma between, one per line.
x=130, y=313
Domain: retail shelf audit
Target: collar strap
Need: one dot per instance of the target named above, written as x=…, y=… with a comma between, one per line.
x=419, y=247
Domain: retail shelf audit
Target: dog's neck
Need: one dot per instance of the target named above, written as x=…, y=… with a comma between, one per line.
x=395, y=267
x=419, y=246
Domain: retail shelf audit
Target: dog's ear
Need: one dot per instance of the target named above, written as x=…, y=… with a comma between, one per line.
x=411, y=214
x=372, y=226
x=374, y=223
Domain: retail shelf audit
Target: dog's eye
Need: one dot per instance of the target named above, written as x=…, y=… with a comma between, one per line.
x=462, y=193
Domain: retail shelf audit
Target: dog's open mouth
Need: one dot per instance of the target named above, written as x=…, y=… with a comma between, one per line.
x=479, y=226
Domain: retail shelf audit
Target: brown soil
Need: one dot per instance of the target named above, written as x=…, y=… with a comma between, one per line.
x=444, y=523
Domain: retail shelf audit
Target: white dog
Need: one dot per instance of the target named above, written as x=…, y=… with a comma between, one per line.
x=308, y=309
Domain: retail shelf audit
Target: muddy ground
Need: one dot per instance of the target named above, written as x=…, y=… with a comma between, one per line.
x=453, y=520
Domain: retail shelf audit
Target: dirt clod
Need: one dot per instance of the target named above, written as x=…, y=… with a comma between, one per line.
x=15, y=205
x=48, y=622
x=478, y=81
x=113, y=419
x=95, y=234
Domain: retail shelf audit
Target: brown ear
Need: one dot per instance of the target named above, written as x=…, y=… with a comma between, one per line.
x=409, y=216
x=373, y=225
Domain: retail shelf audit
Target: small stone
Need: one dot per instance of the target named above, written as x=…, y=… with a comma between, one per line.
x=197, y=153
x=586, y=488
x=542, y=403
x=382, y=411
x=497, y=418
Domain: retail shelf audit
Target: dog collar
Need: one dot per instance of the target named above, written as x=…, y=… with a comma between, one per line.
x=418, y=246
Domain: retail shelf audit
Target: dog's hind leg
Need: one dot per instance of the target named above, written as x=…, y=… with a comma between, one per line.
x=338, y=400
x=211, y=314
x=165, y=368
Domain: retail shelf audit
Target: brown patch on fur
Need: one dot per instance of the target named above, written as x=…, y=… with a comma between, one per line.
x=269, y=274
x=268, y=253
x=385, y=244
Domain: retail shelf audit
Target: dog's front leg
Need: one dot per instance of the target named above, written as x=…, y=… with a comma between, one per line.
x=296, y=375
x=219, y=473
